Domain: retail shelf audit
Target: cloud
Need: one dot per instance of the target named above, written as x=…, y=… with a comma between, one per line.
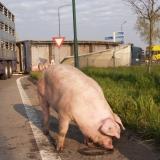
x=95, y=18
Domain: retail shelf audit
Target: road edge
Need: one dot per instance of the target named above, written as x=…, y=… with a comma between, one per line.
x=45, y=150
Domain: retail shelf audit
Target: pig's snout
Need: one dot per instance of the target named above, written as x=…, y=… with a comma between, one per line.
x=107, y=144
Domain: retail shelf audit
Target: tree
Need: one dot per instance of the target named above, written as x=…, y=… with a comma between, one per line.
x=148, y=17
x=142, y=26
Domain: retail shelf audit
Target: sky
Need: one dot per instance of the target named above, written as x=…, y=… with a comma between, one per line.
x=96, y=19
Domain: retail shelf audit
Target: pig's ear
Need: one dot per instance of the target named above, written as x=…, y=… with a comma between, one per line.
x=118, y=120
x=109, y=128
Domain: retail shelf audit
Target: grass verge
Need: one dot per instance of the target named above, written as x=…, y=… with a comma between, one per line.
x=133, y=94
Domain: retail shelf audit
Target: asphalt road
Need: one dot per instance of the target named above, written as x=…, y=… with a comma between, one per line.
x=21, y=137
x=16, y=138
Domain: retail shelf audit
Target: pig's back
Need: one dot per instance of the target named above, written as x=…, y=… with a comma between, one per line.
x=66, y=77
x=64, y=83
x=80, y=95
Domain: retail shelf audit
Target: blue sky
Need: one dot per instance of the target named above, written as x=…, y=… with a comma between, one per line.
x=38, y=20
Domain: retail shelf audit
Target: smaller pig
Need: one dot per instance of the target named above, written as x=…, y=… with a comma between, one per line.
x=77, y=97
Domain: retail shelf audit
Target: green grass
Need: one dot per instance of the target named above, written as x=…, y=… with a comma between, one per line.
x=134, y=95
x=36, y=75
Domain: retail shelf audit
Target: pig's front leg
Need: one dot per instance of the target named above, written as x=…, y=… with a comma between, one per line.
x=63, y=128
x=45, y=110
x=88, y=141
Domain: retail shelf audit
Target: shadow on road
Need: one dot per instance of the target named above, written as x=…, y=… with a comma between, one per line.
x=127, y=148
x=73, y=132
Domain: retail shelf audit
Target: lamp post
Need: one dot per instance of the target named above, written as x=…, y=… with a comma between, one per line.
x=76, y=59
x=124, y=22
x=59, y=25
x=59, y=18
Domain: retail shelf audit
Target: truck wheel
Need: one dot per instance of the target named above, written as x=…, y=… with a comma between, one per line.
x=5, y=74
x=9, y=70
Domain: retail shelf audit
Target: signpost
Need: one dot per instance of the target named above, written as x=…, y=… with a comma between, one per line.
x=109, y=38
x=59, y=41
x=117, y=37
x=76, y=58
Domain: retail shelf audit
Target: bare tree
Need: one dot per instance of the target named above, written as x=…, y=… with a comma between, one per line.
x=148, y=12
x=142, y=26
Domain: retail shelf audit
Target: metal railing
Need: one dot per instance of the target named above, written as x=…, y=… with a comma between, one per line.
x=7, y=54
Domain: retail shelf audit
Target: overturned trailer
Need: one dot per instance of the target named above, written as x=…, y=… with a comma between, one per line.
x=7, y=43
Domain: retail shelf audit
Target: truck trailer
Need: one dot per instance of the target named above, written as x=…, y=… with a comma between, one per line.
x=8, y=58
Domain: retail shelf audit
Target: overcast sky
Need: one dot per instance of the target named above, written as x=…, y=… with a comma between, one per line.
x=38, y=20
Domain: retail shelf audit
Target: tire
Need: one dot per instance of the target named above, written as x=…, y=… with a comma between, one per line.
x=5, y=74
x=9, y=70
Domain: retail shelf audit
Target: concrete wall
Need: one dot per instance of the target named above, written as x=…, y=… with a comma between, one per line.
x=31, y=53
x=45, y=53
x=104, y=58
x=59, y=54
x=40, y=54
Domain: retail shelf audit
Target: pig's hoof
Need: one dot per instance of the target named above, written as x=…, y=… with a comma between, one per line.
x=46, y=132
x=59, y=148
x=88, y=142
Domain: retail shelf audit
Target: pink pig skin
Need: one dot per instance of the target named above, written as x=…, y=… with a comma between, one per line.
x=77, y=97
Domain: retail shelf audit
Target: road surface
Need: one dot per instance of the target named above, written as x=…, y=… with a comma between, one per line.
x=16, y=138
x=21, y=137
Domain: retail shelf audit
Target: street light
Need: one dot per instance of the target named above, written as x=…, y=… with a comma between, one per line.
x=122, y=25
x=76, y=59
x=59, y=18
x=124, y=22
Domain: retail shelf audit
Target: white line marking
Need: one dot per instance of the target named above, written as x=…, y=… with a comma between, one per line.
x=17, y=74
x=44, y=146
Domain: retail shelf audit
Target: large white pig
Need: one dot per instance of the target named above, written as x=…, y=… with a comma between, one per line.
x=77, y=97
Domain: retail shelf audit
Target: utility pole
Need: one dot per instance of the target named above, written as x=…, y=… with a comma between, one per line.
x=59, y=18
x=59, y=25
x=59, y=22
x=76, y=58
x=124, y=22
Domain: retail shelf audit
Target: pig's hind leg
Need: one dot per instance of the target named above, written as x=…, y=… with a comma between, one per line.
x=45, y=111
x=63, y=128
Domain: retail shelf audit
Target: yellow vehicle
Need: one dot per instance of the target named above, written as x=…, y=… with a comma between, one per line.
x=155, y=49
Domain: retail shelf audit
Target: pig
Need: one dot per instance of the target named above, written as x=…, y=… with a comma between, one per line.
x=77, y=97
